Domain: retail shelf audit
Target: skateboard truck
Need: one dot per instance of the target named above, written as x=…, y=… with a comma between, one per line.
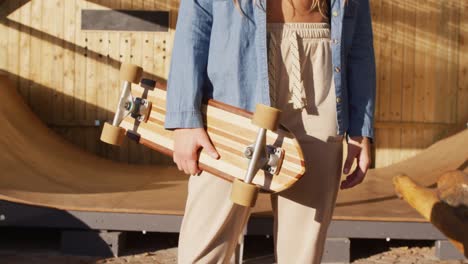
x=138, y=108
x=270, y=159
x=260, y=156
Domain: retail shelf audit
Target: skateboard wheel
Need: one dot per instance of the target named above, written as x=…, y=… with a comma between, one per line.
x=266, y=117
x=244, y=194
x=112, y=135
x=131, y=73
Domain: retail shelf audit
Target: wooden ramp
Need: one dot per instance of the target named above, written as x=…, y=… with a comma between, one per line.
x=375, y=199
x=38, y=167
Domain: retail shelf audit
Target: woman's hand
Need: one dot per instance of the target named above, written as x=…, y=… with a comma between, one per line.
x=187, y=143
x=359, y=149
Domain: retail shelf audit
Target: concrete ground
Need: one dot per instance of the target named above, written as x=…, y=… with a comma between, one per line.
x=41, y=246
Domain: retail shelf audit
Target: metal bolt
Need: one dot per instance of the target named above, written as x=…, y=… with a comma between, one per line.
x=128, y=105
x=248, y=152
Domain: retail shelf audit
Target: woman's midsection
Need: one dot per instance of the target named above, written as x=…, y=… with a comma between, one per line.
x=281, y=11
x=317, y=120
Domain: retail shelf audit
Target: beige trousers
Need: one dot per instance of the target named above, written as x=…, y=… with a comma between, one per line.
x=212, y=223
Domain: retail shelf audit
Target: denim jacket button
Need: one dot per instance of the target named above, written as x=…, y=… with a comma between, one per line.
x=338, y=100
x=337, y=69
x=335, y=13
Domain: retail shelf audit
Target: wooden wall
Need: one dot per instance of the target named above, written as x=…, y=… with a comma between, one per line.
x=422, y=59
x=70, y=77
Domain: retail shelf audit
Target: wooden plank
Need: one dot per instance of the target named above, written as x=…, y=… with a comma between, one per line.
x=447, y=58
x=47, y=61
x=383, y=144
x=3, y=41
x=432, y=67
x=377, y=33
x=13, y=47
x=81, y=53
x=421, y=49
x=25, y=48
x=462, y=93
x=101, y=77
x=385, y=55
x=396, y=79
x=69, y=55
x=408, y=135
x=57, y=31
x=416, y=125
x=453, y=58
x=35, y=90
x=160, y=58
x=94, y=41
x=114, y=84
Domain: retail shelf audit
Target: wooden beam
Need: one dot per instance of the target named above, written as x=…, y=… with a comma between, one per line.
x=417, y=125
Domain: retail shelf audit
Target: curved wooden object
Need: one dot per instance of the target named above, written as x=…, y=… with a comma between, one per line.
x=231, y=130
x=39, y=167
x=439, y=213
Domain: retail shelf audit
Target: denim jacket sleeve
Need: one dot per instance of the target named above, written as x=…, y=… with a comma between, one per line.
x=361, y=76
x=187, y=72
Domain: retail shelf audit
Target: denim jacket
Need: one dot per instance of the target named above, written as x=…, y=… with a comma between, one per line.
x=219, y=53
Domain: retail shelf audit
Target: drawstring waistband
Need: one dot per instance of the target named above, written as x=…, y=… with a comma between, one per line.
x=303, y=30
x=291, y=32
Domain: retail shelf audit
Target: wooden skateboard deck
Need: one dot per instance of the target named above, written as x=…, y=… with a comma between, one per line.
x=230, y=131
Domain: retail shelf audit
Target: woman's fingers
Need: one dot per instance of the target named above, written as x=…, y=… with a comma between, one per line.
x=179, y=165
x=358, y=175
x=353, y=179
x=187, y=162
x=205, y=143
x=187, y=143
x=192, y=167
x=354, y=150
x=352, y=153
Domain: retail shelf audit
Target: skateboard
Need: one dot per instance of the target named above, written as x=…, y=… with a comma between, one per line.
x=255, y=151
